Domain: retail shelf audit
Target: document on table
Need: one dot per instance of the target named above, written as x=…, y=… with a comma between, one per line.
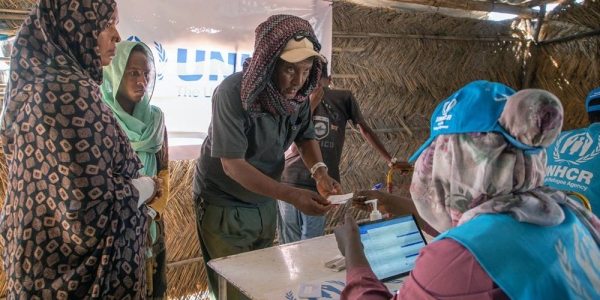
x=340, y=199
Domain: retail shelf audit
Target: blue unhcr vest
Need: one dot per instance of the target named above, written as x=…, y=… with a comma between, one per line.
x=574, y=163
x=533, y=262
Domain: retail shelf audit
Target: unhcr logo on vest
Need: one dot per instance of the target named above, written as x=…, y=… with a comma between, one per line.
x=576, y=148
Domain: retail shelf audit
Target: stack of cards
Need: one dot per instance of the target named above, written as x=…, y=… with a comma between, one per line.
x=337, y=264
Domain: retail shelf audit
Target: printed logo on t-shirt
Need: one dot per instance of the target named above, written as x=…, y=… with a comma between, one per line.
x=321, y=126
x=576, y=148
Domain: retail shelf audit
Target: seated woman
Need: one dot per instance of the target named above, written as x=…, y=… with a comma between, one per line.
x=127, y=88
x=503, y=234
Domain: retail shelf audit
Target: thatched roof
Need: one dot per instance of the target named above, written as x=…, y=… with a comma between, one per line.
x=13, y=12
x=569, y=58
x=402, y=64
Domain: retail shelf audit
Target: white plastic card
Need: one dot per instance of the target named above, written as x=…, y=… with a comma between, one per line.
x=309, y=290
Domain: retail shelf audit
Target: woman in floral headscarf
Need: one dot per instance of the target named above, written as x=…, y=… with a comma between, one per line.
x=72, y=226
x=500, y=227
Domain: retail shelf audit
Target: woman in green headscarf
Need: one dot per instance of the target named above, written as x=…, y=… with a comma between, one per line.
x=127, y=88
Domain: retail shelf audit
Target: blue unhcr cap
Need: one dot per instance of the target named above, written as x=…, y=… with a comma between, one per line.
x=476, y=107
x=594, y=94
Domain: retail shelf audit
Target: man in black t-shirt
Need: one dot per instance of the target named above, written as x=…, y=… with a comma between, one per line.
x=331, y=110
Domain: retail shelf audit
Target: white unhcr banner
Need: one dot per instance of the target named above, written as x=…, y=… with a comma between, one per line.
x=196, y=44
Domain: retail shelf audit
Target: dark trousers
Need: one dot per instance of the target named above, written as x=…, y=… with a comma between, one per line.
x=229, y=230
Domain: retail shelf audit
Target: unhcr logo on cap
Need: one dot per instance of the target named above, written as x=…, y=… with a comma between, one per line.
x=448, y=106
x=445, y=115
x=576, y=148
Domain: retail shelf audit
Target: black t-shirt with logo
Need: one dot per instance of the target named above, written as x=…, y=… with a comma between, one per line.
x=329, y=119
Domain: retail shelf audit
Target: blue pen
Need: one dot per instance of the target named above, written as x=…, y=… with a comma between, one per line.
x=377, y=186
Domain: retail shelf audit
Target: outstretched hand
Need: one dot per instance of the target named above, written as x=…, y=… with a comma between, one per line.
x=347, y=235
x=309, y=202
x=404, y=166
x=328, y=186
x=383, y=200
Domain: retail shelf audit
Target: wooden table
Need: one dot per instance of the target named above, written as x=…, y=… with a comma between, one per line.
x=277, y=272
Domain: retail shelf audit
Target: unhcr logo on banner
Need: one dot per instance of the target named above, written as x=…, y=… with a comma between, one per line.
x=162, y=56
x=198, y=71
x=217, y=65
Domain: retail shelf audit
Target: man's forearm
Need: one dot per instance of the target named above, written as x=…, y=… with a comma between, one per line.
x=369, y=135
x=310, y=152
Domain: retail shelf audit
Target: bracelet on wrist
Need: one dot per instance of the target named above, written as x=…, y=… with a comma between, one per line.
x=315, y=167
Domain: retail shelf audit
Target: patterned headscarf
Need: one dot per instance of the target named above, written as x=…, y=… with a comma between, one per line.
x=70, y=227
x=259, y=94
x=460, y=176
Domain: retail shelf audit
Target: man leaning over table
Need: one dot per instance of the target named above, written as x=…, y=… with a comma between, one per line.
x=257, y=114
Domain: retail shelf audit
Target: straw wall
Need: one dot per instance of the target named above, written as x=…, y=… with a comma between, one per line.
x=571, y=69
x=398, y=80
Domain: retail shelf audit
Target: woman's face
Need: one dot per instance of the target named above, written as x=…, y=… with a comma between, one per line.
x=108, y=39
x=136, y=77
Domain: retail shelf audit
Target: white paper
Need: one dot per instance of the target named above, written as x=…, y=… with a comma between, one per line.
x=340, y=199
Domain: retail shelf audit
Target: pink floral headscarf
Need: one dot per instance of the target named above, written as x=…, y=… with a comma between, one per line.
x=460, y=176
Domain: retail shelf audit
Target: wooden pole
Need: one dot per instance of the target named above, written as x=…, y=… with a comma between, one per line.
x=14, y=17
x=344, y=76
x=534, y=50
x=570, y=37
x=348, y=49
x=13, y=11
x=184, y=262
x=345, y=34
x=541, y=2
x=471, y=5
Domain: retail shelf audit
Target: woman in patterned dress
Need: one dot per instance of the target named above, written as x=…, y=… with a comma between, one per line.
x=73, y=226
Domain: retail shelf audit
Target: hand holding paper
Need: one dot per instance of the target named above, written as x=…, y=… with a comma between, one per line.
x=340, y=199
